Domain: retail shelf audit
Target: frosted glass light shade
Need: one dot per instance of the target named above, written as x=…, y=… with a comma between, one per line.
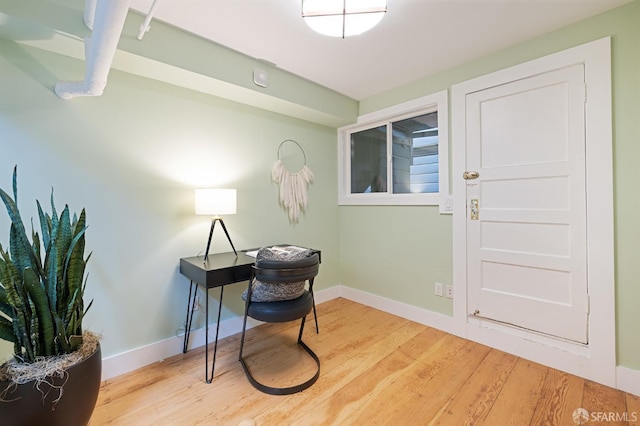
x=343, y=18
x=215, y=202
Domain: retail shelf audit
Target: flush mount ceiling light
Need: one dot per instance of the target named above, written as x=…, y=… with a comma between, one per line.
x=343, y=18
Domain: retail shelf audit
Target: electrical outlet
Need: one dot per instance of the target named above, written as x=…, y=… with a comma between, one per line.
x=438, y=289
x=449, y=291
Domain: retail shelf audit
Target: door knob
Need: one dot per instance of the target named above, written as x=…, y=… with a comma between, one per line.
x=470, y=175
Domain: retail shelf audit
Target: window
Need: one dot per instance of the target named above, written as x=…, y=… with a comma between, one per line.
x=397, y=156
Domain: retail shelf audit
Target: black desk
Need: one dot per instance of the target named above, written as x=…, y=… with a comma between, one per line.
x=218, y=270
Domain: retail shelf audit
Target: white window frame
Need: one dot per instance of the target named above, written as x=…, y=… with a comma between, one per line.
x=424, y=105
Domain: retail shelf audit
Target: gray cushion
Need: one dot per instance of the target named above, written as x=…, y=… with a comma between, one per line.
x=272, y=292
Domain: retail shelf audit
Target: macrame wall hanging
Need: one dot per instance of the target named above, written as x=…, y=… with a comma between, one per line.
x=293, y=185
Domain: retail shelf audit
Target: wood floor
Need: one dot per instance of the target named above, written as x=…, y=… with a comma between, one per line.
x=376, y=369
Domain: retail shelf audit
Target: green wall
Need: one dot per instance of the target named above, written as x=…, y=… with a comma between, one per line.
x=420, y=240
x=133, y=157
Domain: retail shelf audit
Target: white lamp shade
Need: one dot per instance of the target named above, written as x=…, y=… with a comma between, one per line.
x=215, y=202
x=343, y=18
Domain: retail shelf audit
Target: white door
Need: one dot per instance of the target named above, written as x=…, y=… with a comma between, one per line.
x=526, y=210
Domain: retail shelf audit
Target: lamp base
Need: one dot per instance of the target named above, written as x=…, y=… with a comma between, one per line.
x=213, y=224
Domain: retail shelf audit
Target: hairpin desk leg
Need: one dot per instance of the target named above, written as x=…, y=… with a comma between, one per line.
x=191, y=304
x=208, y=378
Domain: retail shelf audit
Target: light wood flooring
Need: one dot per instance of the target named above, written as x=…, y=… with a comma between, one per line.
x=376, y=368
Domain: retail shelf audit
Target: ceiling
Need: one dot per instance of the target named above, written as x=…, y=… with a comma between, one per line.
x=415, y=39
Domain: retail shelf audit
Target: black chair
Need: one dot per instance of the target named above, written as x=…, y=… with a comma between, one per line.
x=285, y=272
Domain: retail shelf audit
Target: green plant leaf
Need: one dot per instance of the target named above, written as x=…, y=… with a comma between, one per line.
x=18, y=299
x=75, y=341
x=63, y=238
x=19, y=252
x=52, y=276
x=42, y=282
x=54, y=213
x=35, y=245
x=15, y=183
x=45, y=321
x=75, y=265
x=22, y=332
x=45, y=226
x=6, y=330
x=5, y=306
x=5, y=281
x=61, y=338
x=16, y=220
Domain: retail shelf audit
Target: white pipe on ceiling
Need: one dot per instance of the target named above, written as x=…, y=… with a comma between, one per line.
x=99, y=49
x=89, y=13
x=144, y=27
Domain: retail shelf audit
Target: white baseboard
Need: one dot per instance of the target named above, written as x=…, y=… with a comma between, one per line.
x=125, y=362
x=403, y=310
x=628, y=380
x=327, y=294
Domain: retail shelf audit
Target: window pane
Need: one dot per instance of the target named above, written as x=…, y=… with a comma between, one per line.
x=369, y=160
x=415, y=154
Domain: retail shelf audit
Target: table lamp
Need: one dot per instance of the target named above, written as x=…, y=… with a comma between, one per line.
x=215, y=203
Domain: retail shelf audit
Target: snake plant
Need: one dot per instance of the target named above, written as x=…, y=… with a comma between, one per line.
x=42, y=285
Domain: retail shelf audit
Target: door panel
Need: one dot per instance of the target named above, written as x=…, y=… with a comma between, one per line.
x=549, y=285
x=522, y=126
x=537, y=193
x=527, y=248
x=540, y=238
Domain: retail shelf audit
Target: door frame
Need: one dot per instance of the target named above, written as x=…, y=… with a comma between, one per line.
x=597, y=359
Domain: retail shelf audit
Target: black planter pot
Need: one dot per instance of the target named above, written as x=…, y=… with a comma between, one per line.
x=80, y=393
